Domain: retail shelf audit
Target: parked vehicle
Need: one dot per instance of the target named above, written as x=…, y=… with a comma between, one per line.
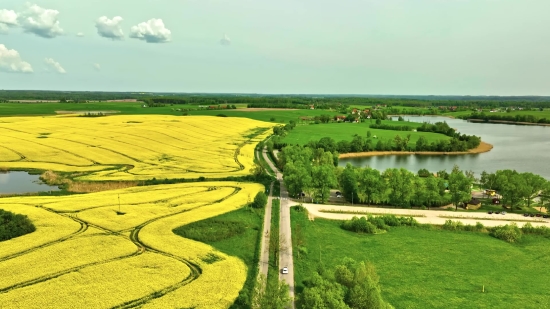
x=285, y=270
x=503, y=213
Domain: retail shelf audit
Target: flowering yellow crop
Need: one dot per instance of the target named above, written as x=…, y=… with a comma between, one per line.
x=49, y=228
x=71, y=254
x=101, y=286
x=98, y=258
x=132, y=147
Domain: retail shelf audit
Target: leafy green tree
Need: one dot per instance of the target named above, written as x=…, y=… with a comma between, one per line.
x=433, y=190
x=270, y=295
x=323, y=179
x=545, y=196
x=348, y=183
x=534, y=184
x=321, y=293
x=459, y=187
x=420, y=191
x=297, y=177
x=512, y=186
x=371, y=185
x=260, y=200
x=401, y=185
x=422, y=144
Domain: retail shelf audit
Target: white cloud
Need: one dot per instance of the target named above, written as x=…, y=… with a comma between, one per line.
x=151, y=31
x=8, y=17
x=80, y=34
x=109, y=28
x=97, y=67
x=10, y=61
x=55, y=65
x=40, y=21
x=225, y=40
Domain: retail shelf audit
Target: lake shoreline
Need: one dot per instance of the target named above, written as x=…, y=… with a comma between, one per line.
x=509, y=122
x=483, y=147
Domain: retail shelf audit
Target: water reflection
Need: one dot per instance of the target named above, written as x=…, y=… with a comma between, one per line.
x=22, y=182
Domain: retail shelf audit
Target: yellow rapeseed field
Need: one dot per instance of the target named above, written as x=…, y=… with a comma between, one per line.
x=136, y=147
x=86, y=253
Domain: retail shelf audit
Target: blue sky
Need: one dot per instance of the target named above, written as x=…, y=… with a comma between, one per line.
x=462, y=47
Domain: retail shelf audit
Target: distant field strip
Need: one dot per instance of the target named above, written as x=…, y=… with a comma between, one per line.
x=132, y=147
x=90, y=252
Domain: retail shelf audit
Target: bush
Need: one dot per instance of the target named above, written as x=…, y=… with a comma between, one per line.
x=260, y=200
x=211, y=231
x=14, y=225
x=530, y=229
x=510, y=232
x=359, y=225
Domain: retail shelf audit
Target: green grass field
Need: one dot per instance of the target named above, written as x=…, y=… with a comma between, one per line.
x=244, y=245
x=302, y=134
x=280, y=116
x=422, y=268
x=30, y=109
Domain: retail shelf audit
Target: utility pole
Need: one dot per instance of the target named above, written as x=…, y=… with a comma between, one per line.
x=119, y=203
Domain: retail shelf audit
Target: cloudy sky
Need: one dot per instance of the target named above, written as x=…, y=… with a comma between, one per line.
x=463, y=47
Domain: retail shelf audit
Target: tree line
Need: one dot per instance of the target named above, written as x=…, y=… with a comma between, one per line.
x=530, y=118
x=314, y=171
x=317, y=100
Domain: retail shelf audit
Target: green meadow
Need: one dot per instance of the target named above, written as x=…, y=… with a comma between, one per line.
x=431, y=268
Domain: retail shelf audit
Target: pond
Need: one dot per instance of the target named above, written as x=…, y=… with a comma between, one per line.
x=523, y=148
x=22, y=182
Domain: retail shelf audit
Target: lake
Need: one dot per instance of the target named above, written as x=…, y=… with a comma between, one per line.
x=22, y=182
x=523, y=148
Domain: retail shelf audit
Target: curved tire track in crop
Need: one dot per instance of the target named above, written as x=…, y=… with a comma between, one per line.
x=196, y=271
x=83, y=228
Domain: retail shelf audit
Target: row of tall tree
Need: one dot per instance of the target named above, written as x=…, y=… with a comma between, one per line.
x=313, y=171
x=518, y=189
x=308, y=170
x=504, y=117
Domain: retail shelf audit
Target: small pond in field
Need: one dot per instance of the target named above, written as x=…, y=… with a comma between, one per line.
x=22, y=182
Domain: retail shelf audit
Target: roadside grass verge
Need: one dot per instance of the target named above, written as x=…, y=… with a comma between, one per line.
x=274, y=246
x=428, y=267
x=334, y=211
x=237, y=233
x=501, y=218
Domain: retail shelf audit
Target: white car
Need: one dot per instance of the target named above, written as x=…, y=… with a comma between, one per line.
x=285, y=270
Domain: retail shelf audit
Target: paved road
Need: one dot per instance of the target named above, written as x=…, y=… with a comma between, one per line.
x=429, y=216
x=285, y=236
x=264, y=253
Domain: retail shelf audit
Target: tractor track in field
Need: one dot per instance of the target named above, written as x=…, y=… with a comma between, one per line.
x=195, y=270
x=83, y=228
x=21, y=156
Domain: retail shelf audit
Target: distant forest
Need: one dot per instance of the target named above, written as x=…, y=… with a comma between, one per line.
x=294, y=101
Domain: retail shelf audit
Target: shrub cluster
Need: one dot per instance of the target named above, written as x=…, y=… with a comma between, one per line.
x=509, y=232
x=14, y=225
x=376, y=224
x=459, y=226
x=211, y=230
x=260, y=200
x=390, y=127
